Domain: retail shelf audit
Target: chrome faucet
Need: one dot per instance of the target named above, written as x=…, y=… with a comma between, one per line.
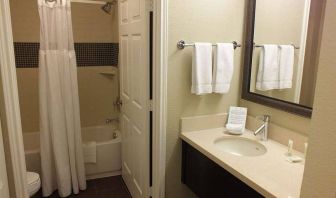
x=263, y=129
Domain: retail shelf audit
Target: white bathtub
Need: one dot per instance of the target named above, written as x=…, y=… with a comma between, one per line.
x=108, y=151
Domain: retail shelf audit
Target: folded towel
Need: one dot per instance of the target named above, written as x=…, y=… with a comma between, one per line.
x=90, y=152
x=202, y=69
x=268, y=73
x=286, y=63
x=235, y=128
x=223, y=67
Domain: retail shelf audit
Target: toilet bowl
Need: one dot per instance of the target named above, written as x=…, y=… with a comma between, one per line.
x=34, y=183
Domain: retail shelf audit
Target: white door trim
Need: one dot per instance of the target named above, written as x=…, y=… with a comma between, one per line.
x=11, y=101
x=4, y=190
x=160, y=55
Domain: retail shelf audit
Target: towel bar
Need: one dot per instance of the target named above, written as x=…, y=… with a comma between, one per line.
x=295, y=47
x=182, y=44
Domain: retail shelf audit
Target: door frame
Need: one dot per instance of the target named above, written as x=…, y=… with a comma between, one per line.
x=10, y=105
x=12, y=110
x=4, y=188
x=160, y=69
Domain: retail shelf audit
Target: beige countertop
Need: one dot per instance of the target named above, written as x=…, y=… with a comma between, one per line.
x=269, y=174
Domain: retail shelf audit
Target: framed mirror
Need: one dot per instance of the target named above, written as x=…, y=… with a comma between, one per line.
x=282, y=44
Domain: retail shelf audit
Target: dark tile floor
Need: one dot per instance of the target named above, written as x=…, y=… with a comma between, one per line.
x=109, y=187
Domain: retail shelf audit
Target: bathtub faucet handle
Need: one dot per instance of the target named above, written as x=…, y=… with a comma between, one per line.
x=110, y=120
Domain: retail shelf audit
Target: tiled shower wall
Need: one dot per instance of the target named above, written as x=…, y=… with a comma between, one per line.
x=87, y=54
x=96, y=46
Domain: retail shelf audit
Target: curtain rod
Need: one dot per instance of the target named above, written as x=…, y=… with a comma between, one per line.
x=86, y=1
x=89, y=2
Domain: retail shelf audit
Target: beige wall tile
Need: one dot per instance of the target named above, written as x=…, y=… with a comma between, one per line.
x=90, y=23
x=97, y=93
x=27, y=79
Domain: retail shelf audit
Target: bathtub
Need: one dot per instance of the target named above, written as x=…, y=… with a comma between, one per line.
x=108, y=151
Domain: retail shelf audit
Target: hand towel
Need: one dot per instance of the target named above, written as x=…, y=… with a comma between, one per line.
x=286, y=63
x=90, y=152
x=223, y=67
x=268, y=72
x=202, y=69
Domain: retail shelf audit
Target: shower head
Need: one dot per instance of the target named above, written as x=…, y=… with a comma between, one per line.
x=107, y=7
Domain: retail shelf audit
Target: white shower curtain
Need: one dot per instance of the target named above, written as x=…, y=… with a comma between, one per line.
x=61, y=143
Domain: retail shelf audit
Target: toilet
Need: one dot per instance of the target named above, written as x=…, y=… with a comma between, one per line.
x=34, y=183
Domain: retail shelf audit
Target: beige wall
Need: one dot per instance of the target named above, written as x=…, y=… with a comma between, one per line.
x=96, y=91
x=196, y=20
x=320, y=171
x=281, y=118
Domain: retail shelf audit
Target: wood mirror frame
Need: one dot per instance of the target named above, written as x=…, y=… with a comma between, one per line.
x=315, y=26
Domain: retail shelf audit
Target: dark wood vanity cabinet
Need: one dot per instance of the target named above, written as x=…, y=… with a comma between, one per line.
x=207, y=179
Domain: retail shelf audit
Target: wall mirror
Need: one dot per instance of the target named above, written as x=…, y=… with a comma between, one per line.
x=281, y=53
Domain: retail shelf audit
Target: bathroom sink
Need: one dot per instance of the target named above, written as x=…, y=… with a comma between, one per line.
x=240, y=146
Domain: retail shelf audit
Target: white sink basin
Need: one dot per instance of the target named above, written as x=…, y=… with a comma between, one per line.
x=240, y=146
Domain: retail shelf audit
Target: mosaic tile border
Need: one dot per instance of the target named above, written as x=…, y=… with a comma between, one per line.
x=87, y=54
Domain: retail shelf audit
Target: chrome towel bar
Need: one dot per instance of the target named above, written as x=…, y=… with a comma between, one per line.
x=295, y=47
x=182, y=44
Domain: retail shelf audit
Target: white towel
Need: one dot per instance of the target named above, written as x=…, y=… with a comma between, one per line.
x=235, y=128
x=268, y=73
x=90, y=152
x=202, y=69
x=223, y=67
x=286, y=63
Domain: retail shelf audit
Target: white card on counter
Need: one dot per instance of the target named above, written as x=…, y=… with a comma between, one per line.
x=237, y=120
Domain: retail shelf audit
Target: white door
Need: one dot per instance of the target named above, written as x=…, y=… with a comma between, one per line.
x=4, y=193
x=134, y=77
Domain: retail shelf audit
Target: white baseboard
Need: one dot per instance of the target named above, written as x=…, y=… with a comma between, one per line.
x=103, y=175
